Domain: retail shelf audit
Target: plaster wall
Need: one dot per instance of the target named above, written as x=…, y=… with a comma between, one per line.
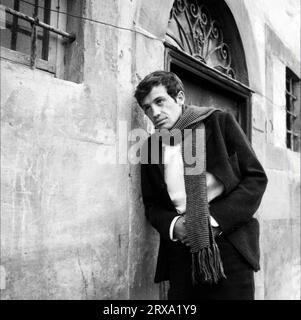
x=64, y=214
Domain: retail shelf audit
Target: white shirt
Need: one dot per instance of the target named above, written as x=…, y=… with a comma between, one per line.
x=174, y=179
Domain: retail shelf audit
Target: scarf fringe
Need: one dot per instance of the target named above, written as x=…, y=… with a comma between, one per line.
x=207, y=266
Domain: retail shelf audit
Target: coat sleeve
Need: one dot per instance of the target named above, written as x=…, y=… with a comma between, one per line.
x=237, y=207
x=160, y=218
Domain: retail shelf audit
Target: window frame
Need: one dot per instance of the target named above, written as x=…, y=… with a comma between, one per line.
x=56, y=42
x=292, y=109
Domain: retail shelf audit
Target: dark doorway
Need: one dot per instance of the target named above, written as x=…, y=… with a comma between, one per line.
x=205, y=86
x=201, y=93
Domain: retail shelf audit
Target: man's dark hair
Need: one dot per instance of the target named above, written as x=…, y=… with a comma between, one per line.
x=169, y=80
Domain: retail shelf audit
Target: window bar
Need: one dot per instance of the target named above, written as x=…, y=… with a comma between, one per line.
x=14, y=27
x=292, y=114
x=289, y=111
x=290, y=94
x=288, y=140
x=293, y=139
x=45, y=46
x=23, y=16
x=33, y=56
x=293, y=133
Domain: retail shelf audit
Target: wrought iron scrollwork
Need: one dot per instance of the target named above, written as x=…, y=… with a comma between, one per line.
x=192, y=29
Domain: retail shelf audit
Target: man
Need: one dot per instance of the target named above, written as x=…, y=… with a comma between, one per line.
x=209, y=239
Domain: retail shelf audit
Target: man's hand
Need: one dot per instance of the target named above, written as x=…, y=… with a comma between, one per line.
x=179, y=231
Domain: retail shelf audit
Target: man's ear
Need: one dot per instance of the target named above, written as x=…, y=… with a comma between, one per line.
x=180, y=97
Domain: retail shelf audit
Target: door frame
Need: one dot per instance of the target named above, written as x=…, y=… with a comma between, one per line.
x=239, y=91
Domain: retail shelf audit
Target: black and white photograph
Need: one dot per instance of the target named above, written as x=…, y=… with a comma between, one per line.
x=150, y=151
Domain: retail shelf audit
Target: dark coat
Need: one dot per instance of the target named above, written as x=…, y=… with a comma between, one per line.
x=231, y=159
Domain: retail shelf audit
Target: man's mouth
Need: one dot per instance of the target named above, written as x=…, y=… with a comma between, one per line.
x=160, y=122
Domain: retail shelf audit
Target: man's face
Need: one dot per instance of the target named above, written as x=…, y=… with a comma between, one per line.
x=161, y=108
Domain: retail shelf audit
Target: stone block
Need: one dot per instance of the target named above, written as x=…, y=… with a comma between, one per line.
x=279, y=125
x=153, y=50
x=259, y=284
x=258, y=113
x=258, y=140
x=152, y=16
x=276, y=200
x=281, y=264
x=276, y=158
x=279, y=76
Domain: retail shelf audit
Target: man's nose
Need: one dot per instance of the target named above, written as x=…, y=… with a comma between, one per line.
x=155, y=110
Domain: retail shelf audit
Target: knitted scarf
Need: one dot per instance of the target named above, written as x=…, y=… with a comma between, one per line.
x=206, y=260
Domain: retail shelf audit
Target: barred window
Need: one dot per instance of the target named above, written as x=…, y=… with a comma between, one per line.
x=292, y=111
x=33, y=32
x=17, y=35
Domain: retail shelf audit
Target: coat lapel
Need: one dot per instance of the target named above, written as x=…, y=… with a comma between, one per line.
x=157, y=159
x=161, y=157
x=161, y=168
x=208, y=132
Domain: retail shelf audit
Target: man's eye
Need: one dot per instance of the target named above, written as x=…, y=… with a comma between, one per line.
x=160, y=101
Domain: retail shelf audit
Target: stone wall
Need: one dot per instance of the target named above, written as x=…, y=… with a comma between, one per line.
x=64, y=215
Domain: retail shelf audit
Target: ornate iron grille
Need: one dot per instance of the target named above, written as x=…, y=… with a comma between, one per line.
x=192, y=29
